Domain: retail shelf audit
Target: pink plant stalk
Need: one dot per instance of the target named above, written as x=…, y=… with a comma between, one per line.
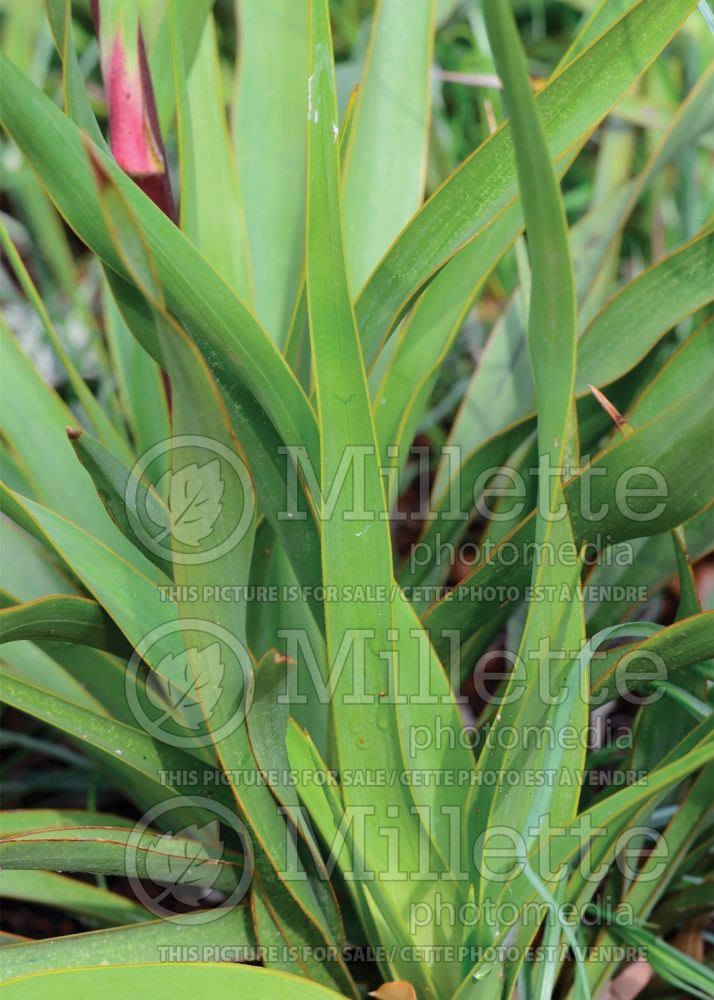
x=135, y=135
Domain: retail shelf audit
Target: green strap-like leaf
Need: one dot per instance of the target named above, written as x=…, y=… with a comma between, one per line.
x=104, y=907
x=191, y=18
x=238, y=349
x=139, y=383
x=678, y=646
x=98, y=418
x=571, y=106
x=76, y=99
x=659, y=869
x=182, y=981
x=133, y=748
x=644, y=309
x=211, y=199
x=269, y=133
x=114, y=484
x=106, y=850
x=47, y=453
x=230, y=932
x=385, y=162
x=67, y=619
x=608, y=816
x=368, y=725
x=673, y=965
x=555, y=625
x=669, y=444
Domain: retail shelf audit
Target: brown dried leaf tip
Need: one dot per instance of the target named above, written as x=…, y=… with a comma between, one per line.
x=617, y=418
x=398, y=990
x=281, y=658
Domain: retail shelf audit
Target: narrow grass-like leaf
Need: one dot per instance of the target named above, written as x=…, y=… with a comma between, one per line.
x=674, y=966
x=236, y=347
x=668, y=443
x=565, y=845
x=98, y=418
x=121, y=945
x=552, y=627
x=644, y=309
x=70, y=895
x=114, y=483
x=69, y=619
x=192, y=18
x=385, y=163
x=182, y=980
x=136, y=751
x=269, y=132
x=356, y=543
x=36, y=427
x=660, y=867
x=678, y=646
x=139, y=383
x=288, y=508
x=501, y=388
x=107, y=850
x=571, y=106
x=76, y=99
x=211, y=201
x=200, y=424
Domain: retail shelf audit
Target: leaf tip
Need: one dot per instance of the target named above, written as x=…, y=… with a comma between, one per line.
x=617, y=418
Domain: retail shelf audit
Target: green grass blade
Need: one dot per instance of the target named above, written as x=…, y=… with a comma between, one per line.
x=111, y=850
x=35, y=425
x=501, y=388
x=211, y=202
x=239, y=350
x=678, y=646
x=683, y=373
x=571, y=106
x=674, y=966
x=96, y=415
x=660, y=867
x=64, y=619
x=202, y=431
x=356, y=542
x=69, y=895
x=181, y=980
x=557, y=626
x=76, y=99
x=139, y=382
x=645, y=309
x=269, y=132
x=136, y=751
x=114, y=482
x=668, y=443
x=385, y=163
x=133, y=944
x=192, y=19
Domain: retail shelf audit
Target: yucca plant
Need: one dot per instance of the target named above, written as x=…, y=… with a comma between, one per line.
x=335, y=658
